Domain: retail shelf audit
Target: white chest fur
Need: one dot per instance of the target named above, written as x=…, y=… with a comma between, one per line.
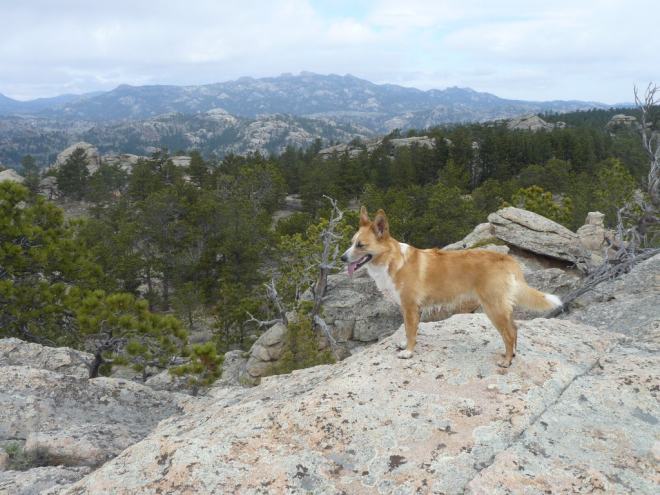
x=384, y=282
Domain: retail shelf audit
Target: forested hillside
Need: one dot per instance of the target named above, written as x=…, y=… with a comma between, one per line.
x=168, y=251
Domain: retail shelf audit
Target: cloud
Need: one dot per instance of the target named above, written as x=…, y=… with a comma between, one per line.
x=593, y=49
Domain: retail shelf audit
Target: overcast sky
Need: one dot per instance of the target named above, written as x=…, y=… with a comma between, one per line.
x=540, y=50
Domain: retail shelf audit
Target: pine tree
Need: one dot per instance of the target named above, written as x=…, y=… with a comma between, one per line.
x=73, y=176
x=40, y=261
x=31, y=173
x=539, y=201
x=119, y=328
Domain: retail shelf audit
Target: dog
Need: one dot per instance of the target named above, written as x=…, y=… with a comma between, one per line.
x=418, y=279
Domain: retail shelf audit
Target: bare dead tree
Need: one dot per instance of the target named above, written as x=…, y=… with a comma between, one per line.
x=276, y=300
x=326, y=263
x=648, y=104
x=636, y=219
x=621, y=262
x=329, y=254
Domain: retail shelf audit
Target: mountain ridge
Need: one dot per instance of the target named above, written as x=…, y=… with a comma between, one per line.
x=306, y=94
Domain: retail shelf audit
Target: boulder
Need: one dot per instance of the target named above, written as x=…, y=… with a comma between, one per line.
x=16, y=352
x=482, y=233
x=77, y=421
x=445, y=421
x=356, y=311
x=625, y=304
x=50, y=406
x=10, y=175
x=233, y=366
x=93, y=157
x=264, y=353
x=168, y=382
x=593, y=235
x=535, y=233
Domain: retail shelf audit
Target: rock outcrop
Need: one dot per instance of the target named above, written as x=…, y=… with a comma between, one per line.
x=621, y=120
x=529, y=122
x=40, y=480
x=535, y=233
x=575, y=410
x=10, y=175
x=125, y=161
x=355, y=311
x=49, y=408
x=93, y=157
x=481, y=234
x=534, y=238
x=64, y=360
x=627, y=304
x=354, y=150
x=264, y=353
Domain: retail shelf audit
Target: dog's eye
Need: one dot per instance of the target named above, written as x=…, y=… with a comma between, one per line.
x=359, y=245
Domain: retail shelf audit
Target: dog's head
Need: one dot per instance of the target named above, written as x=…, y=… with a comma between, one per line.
x=368, y=242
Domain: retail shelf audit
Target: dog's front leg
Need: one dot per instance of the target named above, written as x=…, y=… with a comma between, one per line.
x=411, y=321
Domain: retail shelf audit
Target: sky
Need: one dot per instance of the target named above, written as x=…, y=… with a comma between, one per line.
x=535, y=50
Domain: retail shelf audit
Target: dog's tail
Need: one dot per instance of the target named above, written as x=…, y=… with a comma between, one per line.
x=531, y=298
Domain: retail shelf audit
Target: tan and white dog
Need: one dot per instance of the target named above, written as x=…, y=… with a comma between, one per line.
x=425, y=278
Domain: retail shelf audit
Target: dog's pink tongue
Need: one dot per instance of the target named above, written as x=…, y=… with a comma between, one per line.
x=351, y=268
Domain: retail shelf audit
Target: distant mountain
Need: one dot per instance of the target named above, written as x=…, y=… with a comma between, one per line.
x=244, y=115
x=381, y=107
x=9, y=106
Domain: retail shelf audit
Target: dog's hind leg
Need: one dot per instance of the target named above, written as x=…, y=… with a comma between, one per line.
x=501, y=317
x=411, y=322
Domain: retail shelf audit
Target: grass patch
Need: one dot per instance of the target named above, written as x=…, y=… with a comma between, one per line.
x=20, y=460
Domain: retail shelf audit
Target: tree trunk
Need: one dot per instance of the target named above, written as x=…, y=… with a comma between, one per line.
x=166, y=290
x=96, y=365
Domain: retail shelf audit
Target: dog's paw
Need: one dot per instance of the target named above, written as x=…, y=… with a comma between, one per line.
x=402, y=344
x=405, y=354
x=504, y=363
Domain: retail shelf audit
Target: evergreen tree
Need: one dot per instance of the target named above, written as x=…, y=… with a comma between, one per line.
x=31, y=173
x=119, y=329
x=106, y=184
x=73, y=176
x=539, y=201
x=198, y=170
x=40, y=261
x=203, y=368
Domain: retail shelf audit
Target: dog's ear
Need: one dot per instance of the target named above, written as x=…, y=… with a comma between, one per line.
x=364, y=217
x=381, y=226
